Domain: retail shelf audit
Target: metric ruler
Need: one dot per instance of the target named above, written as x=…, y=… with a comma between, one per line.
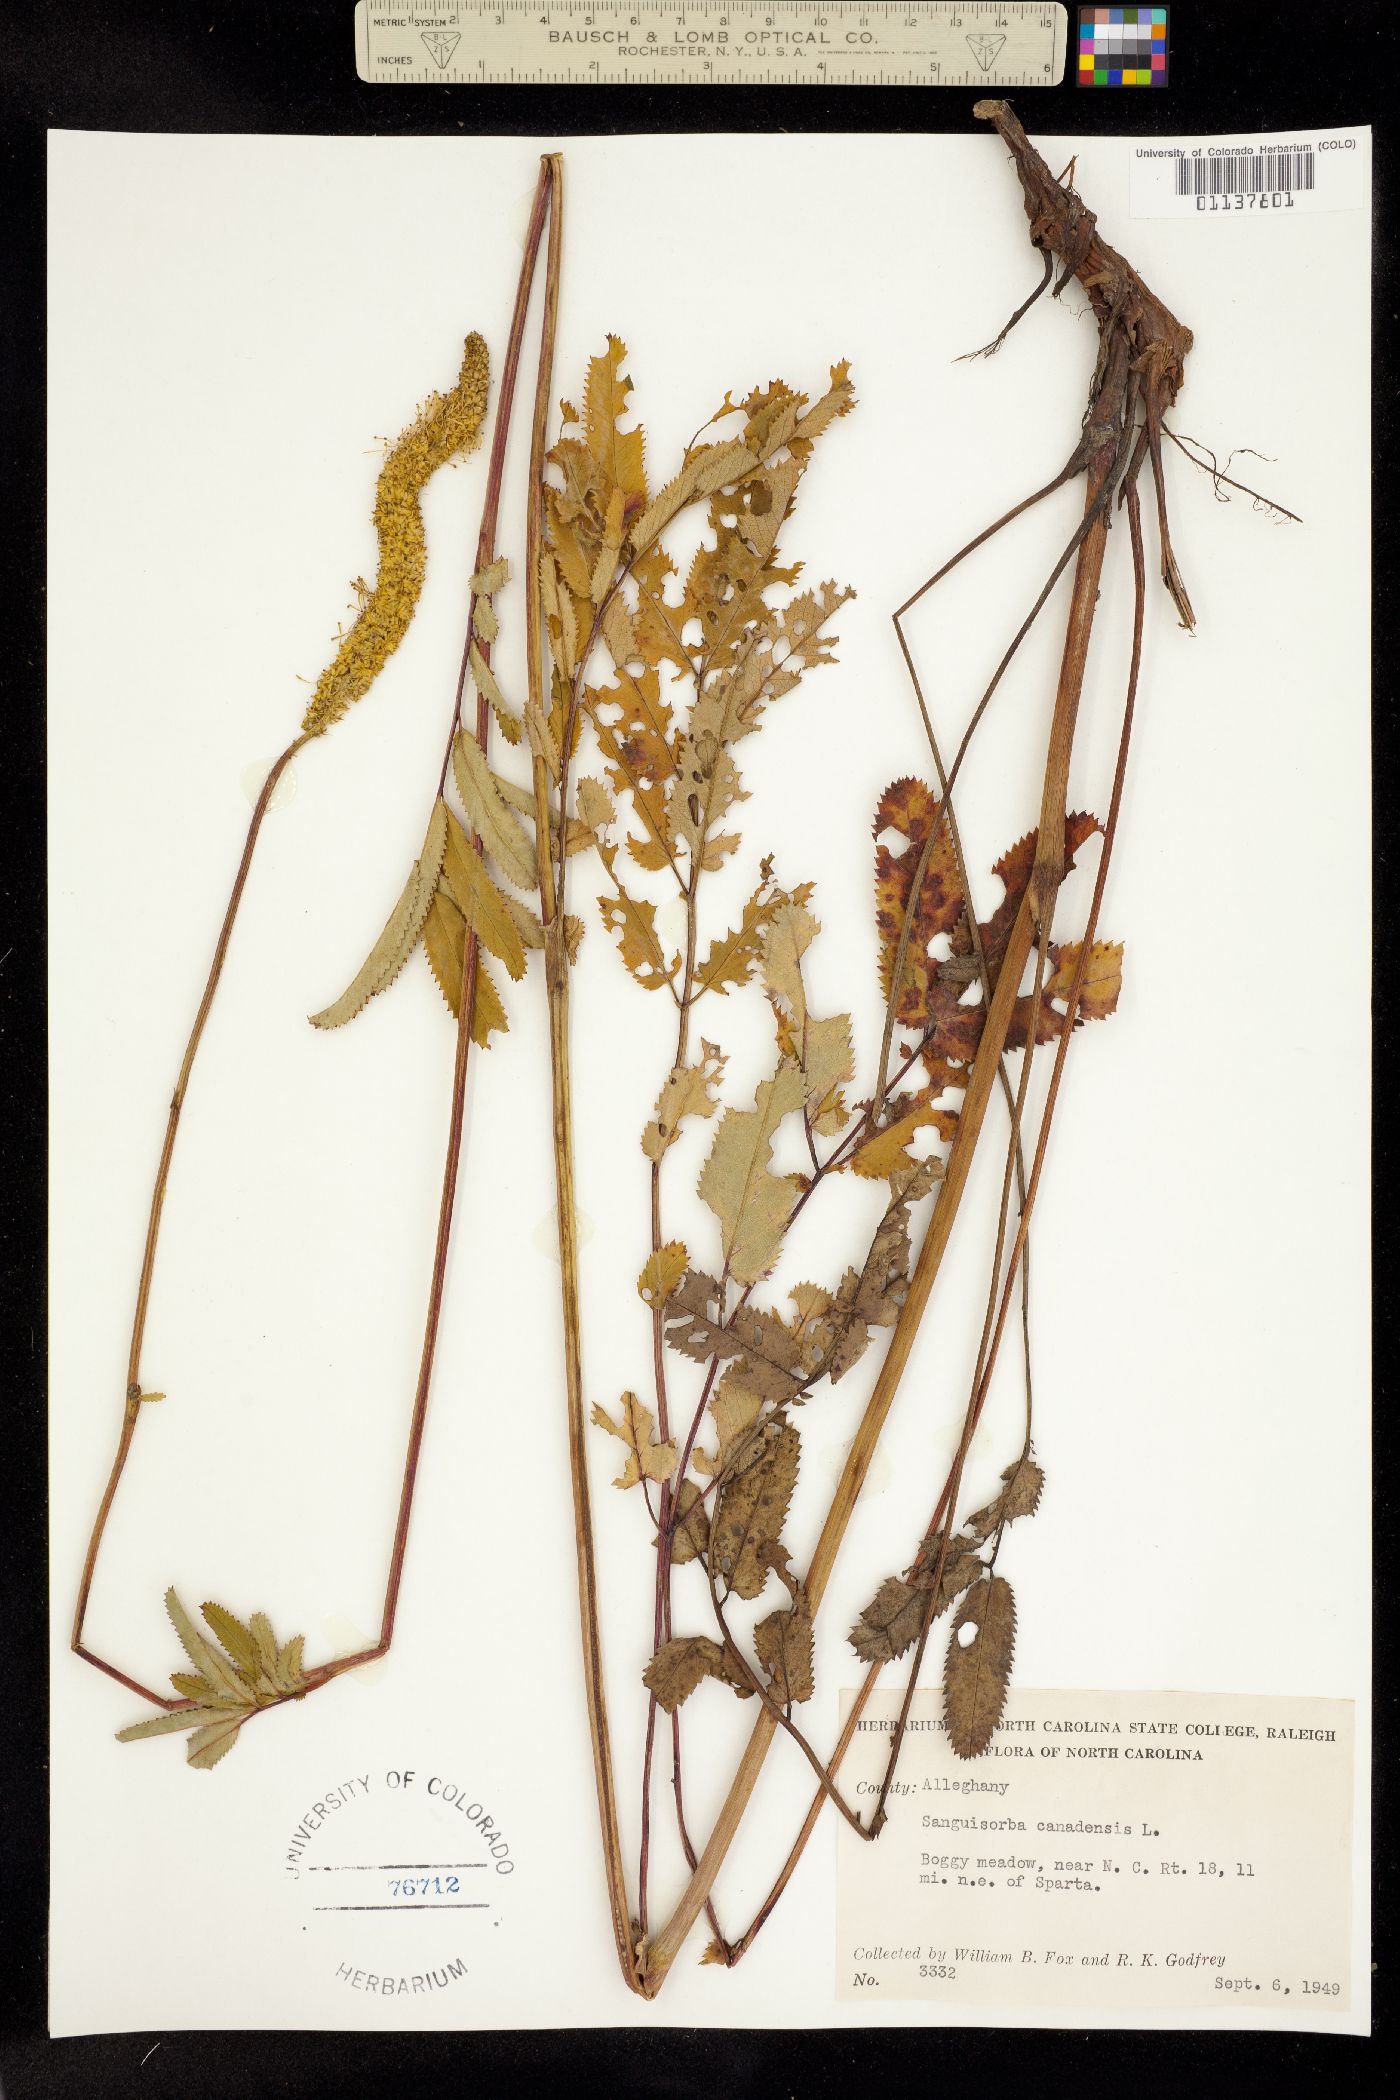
x=711, y=43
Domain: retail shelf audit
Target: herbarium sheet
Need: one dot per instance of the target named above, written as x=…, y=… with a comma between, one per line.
x=1130, y=1788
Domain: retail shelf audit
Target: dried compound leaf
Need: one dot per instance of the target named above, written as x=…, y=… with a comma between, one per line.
x=234, y=1675
x=975, y=1676
x=401, y=931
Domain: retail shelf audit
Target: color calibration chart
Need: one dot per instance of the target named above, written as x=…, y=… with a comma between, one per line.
x=1122, y=47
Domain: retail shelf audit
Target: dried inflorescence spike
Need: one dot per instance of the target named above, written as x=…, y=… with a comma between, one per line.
x=445, y=427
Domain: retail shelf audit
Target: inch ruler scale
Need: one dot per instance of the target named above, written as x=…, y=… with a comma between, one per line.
x=981, y=44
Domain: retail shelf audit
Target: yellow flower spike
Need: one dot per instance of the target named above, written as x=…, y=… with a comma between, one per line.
x=445, y=427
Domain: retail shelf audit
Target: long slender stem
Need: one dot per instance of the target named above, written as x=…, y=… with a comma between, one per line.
x=133, y=1403
x=131, y=1411
x=557, y=984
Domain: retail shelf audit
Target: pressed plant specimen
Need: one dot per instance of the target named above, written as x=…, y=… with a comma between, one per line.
x=450, y=907
x=665, y=804
x=643, y=684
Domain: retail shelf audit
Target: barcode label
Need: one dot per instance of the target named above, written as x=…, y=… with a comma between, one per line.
x=1246, y=174
x=1244, y=178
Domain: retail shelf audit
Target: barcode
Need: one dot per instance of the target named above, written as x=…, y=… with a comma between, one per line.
x=1244, y=174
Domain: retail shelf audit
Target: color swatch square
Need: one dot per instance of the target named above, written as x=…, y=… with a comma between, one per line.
x=1122, y=47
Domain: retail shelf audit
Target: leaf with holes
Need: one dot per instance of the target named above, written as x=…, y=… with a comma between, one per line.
x=976, y=1674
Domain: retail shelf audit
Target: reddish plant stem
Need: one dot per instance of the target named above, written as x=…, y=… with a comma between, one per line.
x=133, y=1402
x=131, y=1411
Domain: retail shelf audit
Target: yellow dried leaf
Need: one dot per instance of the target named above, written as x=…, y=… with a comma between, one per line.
x=633, y=920
x=661, y=1272
x=646, y=1458
x=752, y=1204
x=685, y=1093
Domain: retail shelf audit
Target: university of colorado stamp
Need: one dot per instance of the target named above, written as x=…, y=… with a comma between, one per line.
x=402, y=1876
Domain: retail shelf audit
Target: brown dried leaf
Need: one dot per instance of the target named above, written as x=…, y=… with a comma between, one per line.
x=1103, y=978
x=769, y=1353
x=662, y=1272
x=620, y=633
x=1020, y=1497
x=1014, y=868
x=750, y=1512
x=646, y=1458
x=705, y=787
x=892, y=1620
x=911, y=809
x=822, y=1048
x=675, y=1670
x=886, y=1151
x=839, y=1334
x=690, y=1526
x=783, y=1644
x=975, y=1677
x=685, y=1093
x=752, y=1204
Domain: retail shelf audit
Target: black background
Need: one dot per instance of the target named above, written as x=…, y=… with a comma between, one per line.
x=288, y=66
